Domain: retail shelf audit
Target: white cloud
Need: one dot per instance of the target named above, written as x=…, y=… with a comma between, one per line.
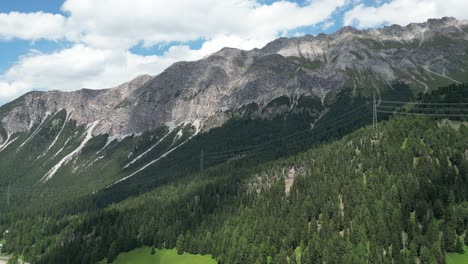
x=403, y=12
x=31, y=26
x=82, y=66
x=155, y=21
x=102, y=33
x=125, y=23
x=9, y=91
x=77, y=67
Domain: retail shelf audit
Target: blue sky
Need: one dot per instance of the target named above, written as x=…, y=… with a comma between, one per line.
x=71, y=44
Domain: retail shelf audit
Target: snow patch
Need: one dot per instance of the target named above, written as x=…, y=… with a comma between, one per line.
x=178, y=135
x=111, y=139
x=152, y=162
x=197, y=124
x=7, y=142
x=148, y=150
x=92, y=162
x=66, y=159
x=35, y=131
x=61, y=149
x=56, y=137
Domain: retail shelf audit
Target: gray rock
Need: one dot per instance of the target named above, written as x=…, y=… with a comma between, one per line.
x=198, y=91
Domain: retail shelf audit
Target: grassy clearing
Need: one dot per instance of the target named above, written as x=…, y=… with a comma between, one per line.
x=163, y=256
x=455, y=258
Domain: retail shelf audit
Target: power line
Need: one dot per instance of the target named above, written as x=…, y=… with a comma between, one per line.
x=374, y=113
x=305, y=140
x=422, y=114
x=421, y=103
x=337, y=122
x=358, y=110
x=337, y=125
x=423, y=109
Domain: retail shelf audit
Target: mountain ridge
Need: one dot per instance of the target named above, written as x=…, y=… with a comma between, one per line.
x=268, y=152
x=188, y=92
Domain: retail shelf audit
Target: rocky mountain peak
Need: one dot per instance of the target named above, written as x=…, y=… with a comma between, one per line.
x=419, y=54
x=347, y=29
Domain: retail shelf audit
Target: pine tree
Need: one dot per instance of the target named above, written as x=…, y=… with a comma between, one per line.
x=425, y=255
x=450, y=239
x=459, y=246
x=153, y=251
x=112, y=252
x=180, y=244
x=466, y=237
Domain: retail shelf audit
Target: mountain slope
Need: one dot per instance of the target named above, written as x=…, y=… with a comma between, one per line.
x=426, y=55
x=375, y=197
x=197, y=150
x=114, y=133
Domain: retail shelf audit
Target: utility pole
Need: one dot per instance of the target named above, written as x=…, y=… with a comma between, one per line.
x=374, y=113
x=201, y=160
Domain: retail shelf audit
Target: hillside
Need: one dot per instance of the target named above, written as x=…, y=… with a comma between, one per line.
x=291, y=84
x=261, y=156
x=387, y=195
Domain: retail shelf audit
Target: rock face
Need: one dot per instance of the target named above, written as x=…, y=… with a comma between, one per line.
x=422, y=55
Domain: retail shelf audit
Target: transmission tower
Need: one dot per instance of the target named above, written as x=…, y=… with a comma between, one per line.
x=374, y=113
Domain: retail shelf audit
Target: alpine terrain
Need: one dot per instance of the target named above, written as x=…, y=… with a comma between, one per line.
x=252, y=156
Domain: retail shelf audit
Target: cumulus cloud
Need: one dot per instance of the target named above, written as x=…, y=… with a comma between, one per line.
x=403, y=12
x=125, y=23
x=31, y=26
x=156, y=21
x=78, y=67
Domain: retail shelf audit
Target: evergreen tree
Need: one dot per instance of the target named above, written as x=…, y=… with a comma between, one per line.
x=425, y=255
x=112, y=253
x=466, y=237
x=395, y=203
x=459, y=246
x=180, y=244
x=450, y=240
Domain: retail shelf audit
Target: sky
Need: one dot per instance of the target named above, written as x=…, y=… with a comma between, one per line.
x=73, y=44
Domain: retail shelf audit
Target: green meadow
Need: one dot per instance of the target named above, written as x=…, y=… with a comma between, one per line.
x=162, y=256
x=455, y=258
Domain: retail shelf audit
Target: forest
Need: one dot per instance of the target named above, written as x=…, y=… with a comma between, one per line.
x=395, y=194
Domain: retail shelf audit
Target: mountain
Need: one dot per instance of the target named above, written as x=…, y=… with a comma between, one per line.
x=56, y=131
x=72, y=161
x=424, y=56
x=392, y=195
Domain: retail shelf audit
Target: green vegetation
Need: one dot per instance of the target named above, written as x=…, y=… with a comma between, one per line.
x=306, y=63
x=401, y=208
x=457, y=258
x=441, y=41
x=386, y=196
x=162, y=256
x=17, y=102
